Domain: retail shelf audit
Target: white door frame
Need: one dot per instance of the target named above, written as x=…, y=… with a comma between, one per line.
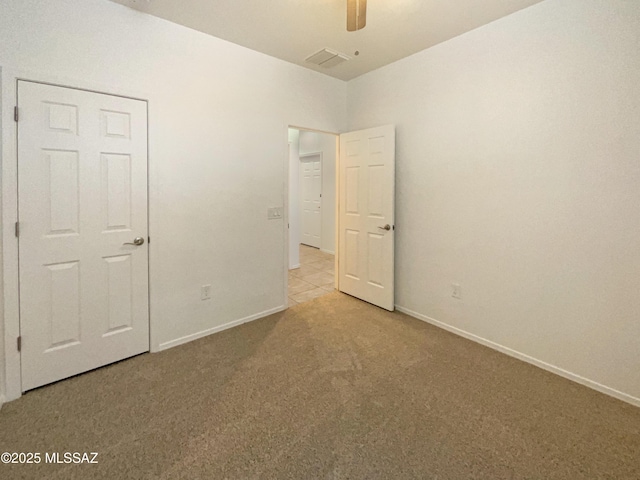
x=9, y=158
x=302, y=158
x=285, y=196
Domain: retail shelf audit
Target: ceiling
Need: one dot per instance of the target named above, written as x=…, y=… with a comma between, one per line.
x=294, y=29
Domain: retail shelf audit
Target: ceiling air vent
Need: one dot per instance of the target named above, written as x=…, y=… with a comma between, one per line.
x=327, y=58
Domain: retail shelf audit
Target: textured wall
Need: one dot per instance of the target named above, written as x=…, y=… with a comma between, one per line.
x=518, y=177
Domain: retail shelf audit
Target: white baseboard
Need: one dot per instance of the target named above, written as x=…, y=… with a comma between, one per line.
x=295, y=266
x=210, y=331
x=327, y=251
x=525, y=358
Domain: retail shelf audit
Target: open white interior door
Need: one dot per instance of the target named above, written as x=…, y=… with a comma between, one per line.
x=367, y=203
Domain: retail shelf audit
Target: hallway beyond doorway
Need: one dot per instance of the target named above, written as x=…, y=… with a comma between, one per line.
x=314, y=278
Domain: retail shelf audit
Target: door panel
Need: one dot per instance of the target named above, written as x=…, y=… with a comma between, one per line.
x=367, y=193
x=118, y=271
x=311, y=201
x=116, y=185
x=82, y=193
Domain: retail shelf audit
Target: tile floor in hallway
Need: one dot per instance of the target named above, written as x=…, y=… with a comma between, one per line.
x=314, y=278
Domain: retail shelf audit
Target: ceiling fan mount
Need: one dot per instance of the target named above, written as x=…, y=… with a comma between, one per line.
x=356, y=15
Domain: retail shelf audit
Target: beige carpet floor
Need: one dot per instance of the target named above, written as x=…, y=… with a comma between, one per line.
x=330, y=389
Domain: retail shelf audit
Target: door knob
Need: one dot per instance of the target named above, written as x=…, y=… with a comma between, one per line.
x=136, y=241
x=387, y=227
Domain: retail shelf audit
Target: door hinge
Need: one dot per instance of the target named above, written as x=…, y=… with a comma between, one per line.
x=148, y=239
x=20, y=343
x=17, y=229
x=16, y=115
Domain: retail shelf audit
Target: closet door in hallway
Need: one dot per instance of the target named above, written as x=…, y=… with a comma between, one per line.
x=311, y=199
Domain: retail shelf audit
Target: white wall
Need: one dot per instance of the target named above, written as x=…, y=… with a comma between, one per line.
x=315, y=142
x=210, y=187
x=294, y=196
x=518, y=177
x=2, y=356
x=329, y=147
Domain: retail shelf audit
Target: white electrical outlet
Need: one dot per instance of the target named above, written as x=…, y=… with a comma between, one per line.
x=455, y=291
x=205, y=292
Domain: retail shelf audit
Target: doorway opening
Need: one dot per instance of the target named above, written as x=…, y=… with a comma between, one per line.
x=312, y=213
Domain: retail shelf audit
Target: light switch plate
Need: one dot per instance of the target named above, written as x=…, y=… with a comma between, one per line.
x=274, y=213
x=205, y=292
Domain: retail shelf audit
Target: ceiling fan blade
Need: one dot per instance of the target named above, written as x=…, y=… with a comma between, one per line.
x=356, y=14
x=362, y=14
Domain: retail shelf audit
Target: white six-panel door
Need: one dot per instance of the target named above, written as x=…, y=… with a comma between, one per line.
x=310, y=200
x=367, y=202
x=82, y=193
